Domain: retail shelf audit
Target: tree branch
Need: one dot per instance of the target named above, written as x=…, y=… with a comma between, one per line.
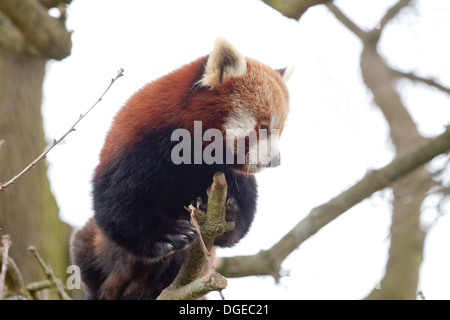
x=267, y=262
x=347, y=22
x=54, y=3
x=293, y=9
x=49, y=35
x=372, y=36
x=49, y=274
x=34, y=287
x=13, y=280
x=6, y=243
x=393, y=11
x=196, y=289
x=428, y=81
x=187, y=285
x=5, y=185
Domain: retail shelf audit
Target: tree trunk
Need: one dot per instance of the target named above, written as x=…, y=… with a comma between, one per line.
x=28, y=211
x=407, y=238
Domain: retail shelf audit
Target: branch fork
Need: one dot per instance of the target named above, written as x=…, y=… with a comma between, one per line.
x=187, y=285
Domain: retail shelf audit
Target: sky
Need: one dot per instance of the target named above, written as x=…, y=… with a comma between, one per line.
x=334, y=132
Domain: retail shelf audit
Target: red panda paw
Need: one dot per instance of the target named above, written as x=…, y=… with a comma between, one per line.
x=200, y=204
x=178, y=239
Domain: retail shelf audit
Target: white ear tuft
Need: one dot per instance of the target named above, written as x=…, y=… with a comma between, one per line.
x=224, y=61
x=286, y=73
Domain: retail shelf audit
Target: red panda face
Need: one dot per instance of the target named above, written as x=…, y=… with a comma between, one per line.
x=257, y=101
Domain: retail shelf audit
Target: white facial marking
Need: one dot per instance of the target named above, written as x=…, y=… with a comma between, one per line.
x=241, y=122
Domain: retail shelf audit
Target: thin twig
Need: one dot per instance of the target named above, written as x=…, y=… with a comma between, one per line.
x=34, y=287
x=421, y=295
x=55, y=142
x=6, y=242
x=49, y=274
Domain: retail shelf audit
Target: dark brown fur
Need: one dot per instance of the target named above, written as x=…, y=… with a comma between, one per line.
x=120, y=274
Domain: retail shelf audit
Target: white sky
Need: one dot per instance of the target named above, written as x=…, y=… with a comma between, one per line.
x=333, y=136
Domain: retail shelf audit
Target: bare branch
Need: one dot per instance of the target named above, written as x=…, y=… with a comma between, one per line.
x=393, y=11
x=6, y=243
x=347, y=22
x=213, y=225
x=13, y=280
x=54, y=3
x=373, y=35
x=268, y=261
x=196, y=289
x=55, y=142
x=428, y=81
x=34, y=287
x=49, y=274
x=199, y=231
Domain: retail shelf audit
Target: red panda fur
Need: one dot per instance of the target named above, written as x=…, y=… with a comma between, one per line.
x=140, y=234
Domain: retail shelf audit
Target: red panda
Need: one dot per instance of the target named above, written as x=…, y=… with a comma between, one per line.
x=140, y=234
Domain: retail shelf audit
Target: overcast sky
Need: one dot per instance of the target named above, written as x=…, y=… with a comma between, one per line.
x=333, y=136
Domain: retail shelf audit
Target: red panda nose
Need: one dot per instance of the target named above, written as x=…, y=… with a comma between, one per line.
x=275, y=161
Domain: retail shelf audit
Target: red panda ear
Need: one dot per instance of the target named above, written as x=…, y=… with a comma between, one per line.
x=224, y=61
x=286, y=72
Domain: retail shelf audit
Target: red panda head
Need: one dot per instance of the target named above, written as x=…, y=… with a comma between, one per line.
x=257, y=101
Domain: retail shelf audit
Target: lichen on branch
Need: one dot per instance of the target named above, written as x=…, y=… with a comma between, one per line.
x=187, y=285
